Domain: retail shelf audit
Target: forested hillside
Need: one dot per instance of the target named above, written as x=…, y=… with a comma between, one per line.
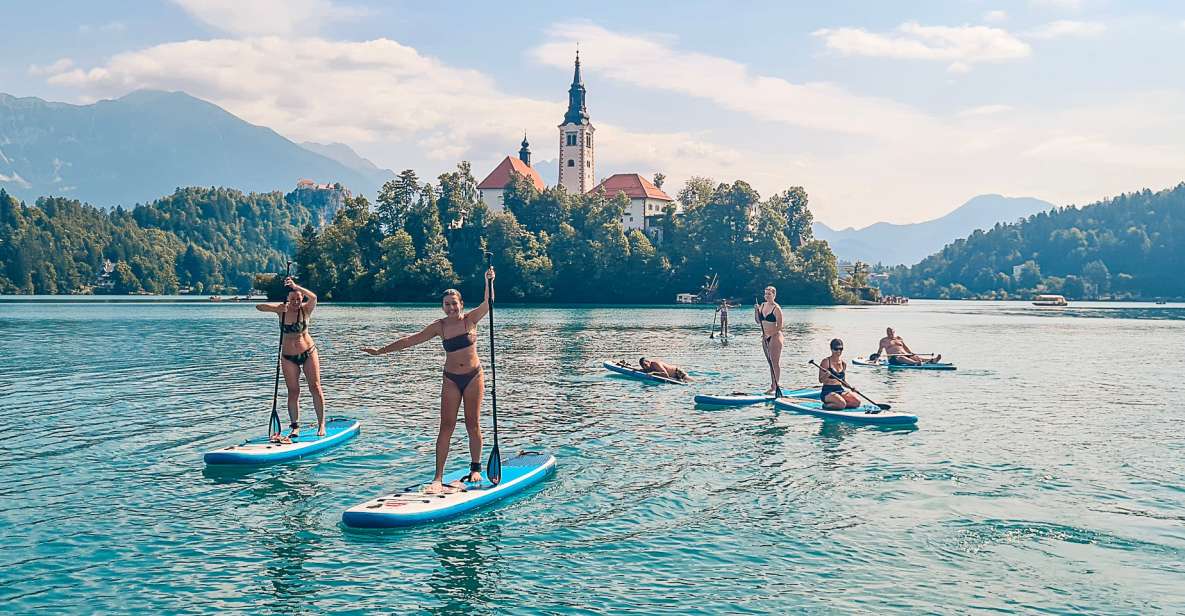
x=1126, y=247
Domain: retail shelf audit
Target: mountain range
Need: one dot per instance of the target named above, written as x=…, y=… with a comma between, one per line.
x=892, y=244
x=141, y=146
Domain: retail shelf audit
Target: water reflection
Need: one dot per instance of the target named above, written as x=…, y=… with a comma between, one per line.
x=468, y=575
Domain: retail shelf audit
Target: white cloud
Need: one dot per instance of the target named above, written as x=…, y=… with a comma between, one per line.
x=995, y=16
x=15, y=178
x=646, y=62
x=866, y=159
x=1065, y=27
x=264, y=17
x=961, y=45
x=388, y=100
x=58, y=66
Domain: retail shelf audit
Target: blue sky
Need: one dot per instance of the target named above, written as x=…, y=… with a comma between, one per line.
x=883, y=111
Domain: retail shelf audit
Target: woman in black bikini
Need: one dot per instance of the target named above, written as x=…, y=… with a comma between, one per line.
x=463, y=378
x=833, y=395
x=769, y=316
x=299, y=353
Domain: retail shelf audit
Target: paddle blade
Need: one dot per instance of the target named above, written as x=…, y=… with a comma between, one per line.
x=494, y=466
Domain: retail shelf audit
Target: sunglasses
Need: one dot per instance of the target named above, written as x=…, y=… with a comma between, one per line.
x=838, y=348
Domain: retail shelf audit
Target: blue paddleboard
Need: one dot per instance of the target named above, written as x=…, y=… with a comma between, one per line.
x=636, y=374
x=865, y=414
x=411, y=506
x=885, y=364
x=739, y=399
x=260, y=450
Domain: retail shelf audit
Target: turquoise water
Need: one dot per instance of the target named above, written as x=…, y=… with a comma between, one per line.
x=1046, y=474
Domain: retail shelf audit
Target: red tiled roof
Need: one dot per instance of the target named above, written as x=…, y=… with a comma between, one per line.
x=634, y=186
x=500, y=176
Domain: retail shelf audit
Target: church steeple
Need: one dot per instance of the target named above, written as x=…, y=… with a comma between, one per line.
x=524, y=153
x=577, y=110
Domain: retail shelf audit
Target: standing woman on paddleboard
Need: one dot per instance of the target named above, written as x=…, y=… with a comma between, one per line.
x=463, y=378
x=833, y=395
x=769, y=316
x=298, y=353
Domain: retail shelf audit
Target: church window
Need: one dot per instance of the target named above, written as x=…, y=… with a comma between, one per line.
x=571, y=138
x=571, y=163
x=588, y=163
x=588, y=139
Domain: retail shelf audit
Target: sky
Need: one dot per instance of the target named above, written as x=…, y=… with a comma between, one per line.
x=895, y=112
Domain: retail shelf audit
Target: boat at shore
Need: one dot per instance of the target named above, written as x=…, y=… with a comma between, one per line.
x=1050, y=300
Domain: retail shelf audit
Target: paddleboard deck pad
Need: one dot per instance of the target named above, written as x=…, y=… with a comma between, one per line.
x=637, y=374
x=865, y=413
x=412, y=506
x=260, y=450
x=742, y=399
x=885, y=364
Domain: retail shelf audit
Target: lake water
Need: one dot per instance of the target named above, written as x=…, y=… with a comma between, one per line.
x=1046, y=474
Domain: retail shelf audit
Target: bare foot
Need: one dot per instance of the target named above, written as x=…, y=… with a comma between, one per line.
x=434, y=488
x=470, y=477
x=937, y=358
x=321, y=429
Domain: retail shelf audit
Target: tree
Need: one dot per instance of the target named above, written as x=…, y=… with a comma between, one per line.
x=659, y=178
x=1097, y=274
x=396, y=198
x=793, y=202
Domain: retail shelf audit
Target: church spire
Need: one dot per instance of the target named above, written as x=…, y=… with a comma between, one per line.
x=577, y=109
x=524, y=153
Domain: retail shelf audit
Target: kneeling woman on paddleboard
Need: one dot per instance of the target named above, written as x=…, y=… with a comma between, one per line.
x=463, y=378
x=298, y=353
x=769, y=316
x=833, y=395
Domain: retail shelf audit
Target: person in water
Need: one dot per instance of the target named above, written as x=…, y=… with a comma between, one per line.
x=769, y=315
x=463, y=379
x=663, y=369
x=834, y=396
x=898, y=352
x=298, y=353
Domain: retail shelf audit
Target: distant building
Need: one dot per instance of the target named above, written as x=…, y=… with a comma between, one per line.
x=647, y=201
x=493, y=188
x=577, y=168
x=324, y=200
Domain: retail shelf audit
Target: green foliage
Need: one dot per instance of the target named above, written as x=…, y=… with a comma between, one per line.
x=1126, y=247
x=212, y=238
x=556, y=246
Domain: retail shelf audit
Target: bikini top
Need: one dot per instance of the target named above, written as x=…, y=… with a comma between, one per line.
x=771, y=317
x=843, y=374
x=298, y=327
x=456, y=343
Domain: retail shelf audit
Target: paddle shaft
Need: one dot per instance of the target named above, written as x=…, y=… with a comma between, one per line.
x=714, y=315
x=273, y=424
x=835, y=375
x=494, y=465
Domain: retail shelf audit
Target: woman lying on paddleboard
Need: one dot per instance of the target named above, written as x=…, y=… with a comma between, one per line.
x=663, y=369
x=463, y=378
x=833, y=395
x=299, y=353
x=769, y=316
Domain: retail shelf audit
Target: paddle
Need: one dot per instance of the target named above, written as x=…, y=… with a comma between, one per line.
x=834, y=375
x=273, y=425
x=765, y=349
x=494, y=464
x=713, y=334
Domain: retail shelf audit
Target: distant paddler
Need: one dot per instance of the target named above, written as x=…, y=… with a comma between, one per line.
x=463, y=379
x=298, y=353
x=899, y=353
x=768, y=315
x=722, y=311
x=834, y=395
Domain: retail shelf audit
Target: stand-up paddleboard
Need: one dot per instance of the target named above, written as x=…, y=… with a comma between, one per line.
x=865, y=414
x=260, y=450
x=740, y=399
x=885, y=364
x=412, y=506
x=636, y=374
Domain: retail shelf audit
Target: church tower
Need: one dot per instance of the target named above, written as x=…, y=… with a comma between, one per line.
x=577, y=165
